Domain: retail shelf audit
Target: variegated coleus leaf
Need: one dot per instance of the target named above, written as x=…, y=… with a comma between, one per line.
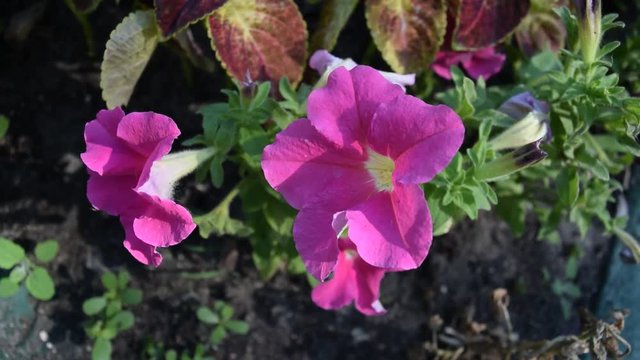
x=259, y=40
x=127, y=53
x=408, y=33
x=483, y=23
x=173, y=15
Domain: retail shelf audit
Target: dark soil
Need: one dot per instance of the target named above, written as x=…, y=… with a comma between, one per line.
x=49, y=89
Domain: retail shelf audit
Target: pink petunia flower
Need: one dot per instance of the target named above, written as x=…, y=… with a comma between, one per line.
x=364, y=149
x=484, y=62
x=128, y=179
x=353, y=281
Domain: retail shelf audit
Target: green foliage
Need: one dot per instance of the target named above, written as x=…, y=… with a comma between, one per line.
x=127, y=53
x=22, y=269
x=238, y=130
x=564, y=286
x=108, y=314
x=46, y=251
x=594, y=123
x=221, y=318
x=4, y=125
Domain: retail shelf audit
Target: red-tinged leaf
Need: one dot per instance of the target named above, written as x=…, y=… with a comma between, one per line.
x=541, y=31
x=173, y=15
x=408, y=33
x=483, y=23
x=260, y=40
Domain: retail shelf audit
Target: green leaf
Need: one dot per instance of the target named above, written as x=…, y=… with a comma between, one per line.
x=571, y=269
x=8, y=288
x=219, y=222
x=10, y=253
x=122, y=321
x=18, y=274
x=94, y=305
x=512, y=211
x=568, y=184
x=237, y=327
x=39, y=284
x=123, y=279
x=46, y=251
x=226, y=312
x=101, y=350
x=216, y=172
x=109, y=281
x=407, y=33
x=218, y=334
x=113, y=307
x=131, y=297
x=127, y=53
x=282, y=117
x=4, y=125
x=279, y=216
x=333, y=17
x=171, y=355
x=207, y=316
x=253, y=141
x=262, y=94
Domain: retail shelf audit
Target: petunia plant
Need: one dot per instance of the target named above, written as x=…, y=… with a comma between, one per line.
x=347, y=176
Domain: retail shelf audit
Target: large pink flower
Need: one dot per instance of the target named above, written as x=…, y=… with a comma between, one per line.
x=353, y=281
x=484, y=62
x=123, y=181
x=364, y=150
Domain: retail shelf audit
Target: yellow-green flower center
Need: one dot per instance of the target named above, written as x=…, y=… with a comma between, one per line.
x=381, y=169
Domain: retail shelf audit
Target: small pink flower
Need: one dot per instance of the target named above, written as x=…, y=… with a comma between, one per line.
x=364, y=149
x=353, y=281
x=484, y=62
x=125, y=179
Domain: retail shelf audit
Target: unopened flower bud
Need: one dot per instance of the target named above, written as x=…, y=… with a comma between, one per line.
x=507, y=164
x=590, y=30
x=531, y=128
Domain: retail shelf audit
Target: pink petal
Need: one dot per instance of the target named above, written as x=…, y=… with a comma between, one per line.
x=141, y=251
x=332, y=111
x=422, y=139
x=316, y=241
x=368, y=279
x=445, y=60
x=148, y=133
x=109, y=119
x=163, y=223
x=339, y=291
x=485, y=62
x=353, y=280
x=112, y=194
x=342, y=110
x=392, y=230
x=305, y=167
x=106, y=154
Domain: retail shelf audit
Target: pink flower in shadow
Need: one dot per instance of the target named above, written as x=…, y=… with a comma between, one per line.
x=121, y=153
x=354, y=281
x=364, y=149
x=484, y=62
